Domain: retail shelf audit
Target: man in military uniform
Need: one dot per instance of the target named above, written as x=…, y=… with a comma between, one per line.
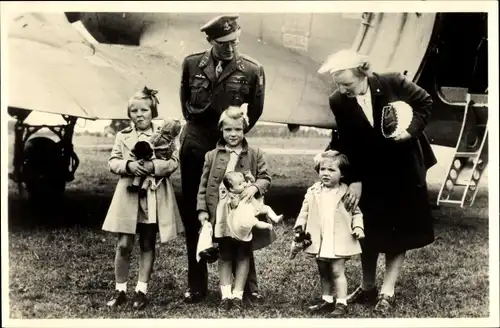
x=211, y=81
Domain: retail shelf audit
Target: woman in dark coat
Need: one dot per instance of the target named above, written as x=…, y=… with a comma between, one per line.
x=388, y=176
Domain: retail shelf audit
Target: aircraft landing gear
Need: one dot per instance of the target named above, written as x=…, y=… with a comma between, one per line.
x=40, y=163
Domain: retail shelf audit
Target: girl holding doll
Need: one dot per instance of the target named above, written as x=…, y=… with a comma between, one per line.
x=130, y=213
x=233, y=153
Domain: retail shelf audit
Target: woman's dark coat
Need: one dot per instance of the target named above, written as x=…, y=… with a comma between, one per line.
x=394, y=198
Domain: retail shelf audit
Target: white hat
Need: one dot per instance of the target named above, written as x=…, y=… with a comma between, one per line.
x=341, y=60
x=396, y=117
x=241, y=221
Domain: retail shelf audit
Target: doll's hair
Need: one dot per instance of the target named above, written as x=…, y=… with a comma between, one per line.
x=145, y=93
x=341, y=159
x=142, y=150
x=229, y=178
x=235, y=113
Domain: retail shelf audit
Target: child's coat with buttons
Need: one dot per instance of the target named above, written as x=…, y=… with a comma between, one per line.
x=310, y=218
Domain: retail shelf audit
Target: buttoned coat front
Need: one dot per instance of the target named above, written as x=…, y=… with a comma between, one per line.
x=310, y=218
x=252, y=160
x=124, y=207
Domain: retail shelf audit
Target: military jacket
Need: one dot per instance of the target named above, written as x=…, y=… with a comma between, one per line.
x=204, y=96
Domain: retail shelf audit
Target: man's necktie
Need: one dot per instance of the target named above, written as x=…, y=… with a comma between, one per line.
x=218, y=69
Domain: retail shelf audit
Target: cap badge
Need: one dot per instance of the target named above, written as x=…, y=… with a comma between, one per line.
x=226, y=26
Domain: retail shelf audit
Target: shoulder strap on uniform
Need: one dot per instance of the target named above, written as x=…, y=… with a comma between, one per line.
x=250, y=59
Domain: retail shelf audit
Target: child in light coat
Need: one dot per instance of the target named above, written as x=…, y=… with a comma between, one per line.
x=129, y=213
x=334, y=231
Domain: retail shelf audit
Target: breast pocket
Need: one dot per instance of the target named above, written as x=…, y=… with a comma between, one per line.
x=201, y=94
x=238, y=91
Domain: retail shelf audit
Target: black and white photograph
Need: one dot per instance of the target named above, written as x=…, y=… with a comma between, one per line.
x=326, y=161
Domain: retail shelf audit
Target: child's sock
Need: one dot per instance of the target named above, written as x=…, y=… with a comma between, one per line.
x=226, y=291
x=389, y=293
x=238, y=294
x=141, y=287
x=328, y=298
x=121, y=286
x=342, y=301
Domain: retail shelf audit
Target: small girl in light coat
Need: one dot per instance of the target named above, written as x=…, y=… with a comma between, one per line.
x=130, y=213
x=334, y=231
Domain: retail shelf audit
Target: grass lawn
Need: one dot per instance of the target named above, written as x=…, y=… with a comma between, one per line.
x=61, y=262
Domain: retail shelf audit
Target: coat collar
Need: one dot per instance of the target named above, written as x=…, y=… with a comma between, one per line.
x=221, y=145
x=317, y=187
x=207, y=63
x=131, y=139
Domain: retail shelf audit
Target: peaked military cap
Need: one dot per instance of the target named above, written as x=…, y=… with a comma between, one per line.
x=222, y=28
x=342, y=60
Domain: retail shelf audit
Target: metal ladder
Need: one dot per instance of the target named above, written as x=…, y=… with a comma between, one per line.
x=471, y=155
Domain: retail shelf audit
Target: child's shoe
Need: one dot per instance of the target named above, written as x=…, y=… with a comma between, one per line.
x=140, y=300
x=225, y=304
x=322, y=307
x=119, y=298
x=339, y=311
x=237, y=303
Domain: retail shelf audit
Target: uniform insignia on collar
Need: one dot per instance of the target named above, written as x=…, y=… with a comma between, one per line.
x=200, y=76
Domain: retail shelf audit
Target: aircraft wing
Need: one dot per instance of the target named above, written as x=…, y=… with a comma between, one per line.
x=66, y=75
x=53, y=69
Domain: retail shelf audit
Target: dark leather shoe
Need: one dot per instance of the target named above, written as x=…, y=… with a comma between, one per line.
x=384, y=304
x=225, y=304
x=255, y=298
x=237, y=303
x=193, y=297
x=321, y=307
x=363, y=296
x=140, y=301
x=117, y=299
x=339, y=311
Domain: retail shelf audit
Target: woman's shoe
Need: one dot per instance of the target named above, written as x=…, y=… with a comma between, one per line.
x=385, y=304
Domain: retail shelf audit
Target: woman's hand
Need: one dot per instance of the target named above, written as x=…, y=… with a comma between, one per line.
x=248, y=193
x=135, y=168
x=352, y=196
x=403, y=136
